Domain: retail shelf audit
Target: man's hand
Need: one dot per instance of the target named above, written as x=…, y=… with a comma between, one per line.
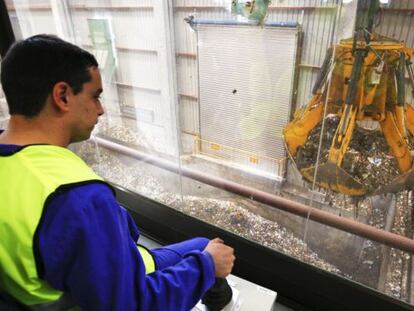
x=223, y=257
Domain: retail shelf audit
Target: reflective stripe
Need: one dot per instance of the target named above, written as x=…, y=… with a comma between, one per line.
x=147, y=258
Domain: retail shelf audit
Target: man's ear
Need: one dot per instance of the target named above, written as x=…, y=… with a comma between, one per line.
x=60, y=94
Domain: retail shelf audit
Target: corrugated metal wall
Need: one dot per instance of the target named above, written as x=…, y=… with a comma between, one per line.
x=137, y=76
x=315, y=16
x=137, y=87
x=245, y=88
x=133, y=23
x=31, y=17
x=396, y=21
x=186, y=51
x=317, y=19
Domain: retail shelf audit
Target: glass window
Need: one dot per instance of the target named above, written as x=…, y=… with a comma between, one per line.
x=4, y=115
x=213, y=105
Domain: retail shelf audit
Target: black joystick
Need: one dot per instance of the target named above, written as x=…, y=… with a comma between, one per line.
x=218, y=296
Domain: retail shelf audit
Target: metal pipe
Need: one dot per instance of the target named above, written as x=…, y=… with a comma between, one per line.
x=291, y=8
x=344, y=224
x=271, y=8
x=195, y=22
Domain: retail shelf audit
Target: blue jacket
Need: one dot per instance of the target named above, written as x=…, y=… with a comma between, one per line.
x=87, y=246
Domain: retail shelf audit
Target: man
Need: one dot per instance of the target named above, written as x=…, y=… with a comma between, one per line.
x=65, y=241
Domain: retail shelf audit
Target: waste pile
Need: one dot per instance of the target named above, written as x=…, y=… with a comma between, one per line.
x=368, y=158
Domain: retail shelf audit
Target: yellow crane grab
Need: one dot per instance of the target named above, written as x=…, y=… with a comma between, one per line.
x=364, y=80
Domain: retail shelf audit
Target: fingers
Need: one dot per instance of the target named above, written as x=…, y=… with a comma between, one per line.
x=223, y=256
x=230, y=264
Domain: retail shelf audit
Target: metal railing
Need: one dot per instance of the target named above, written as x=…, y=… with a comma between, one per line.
x=269, y=165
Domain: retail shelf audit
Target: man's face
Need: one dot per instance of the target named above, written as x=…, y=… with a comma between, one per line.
x=86, y=107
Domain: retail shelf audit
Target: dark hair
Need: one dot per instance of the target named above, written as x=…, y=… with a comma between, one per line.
x=33, y=66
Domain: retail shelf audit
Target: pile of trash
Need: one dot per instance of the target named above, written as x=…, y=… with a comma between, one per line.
x=368, y=158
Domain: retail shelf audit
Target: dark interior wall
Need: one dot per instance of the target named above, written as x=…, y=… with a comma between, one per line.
x=6, y=31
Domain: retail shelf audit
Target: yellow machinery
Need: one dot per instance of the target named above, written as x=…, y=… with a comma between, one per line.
x=364, y=80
